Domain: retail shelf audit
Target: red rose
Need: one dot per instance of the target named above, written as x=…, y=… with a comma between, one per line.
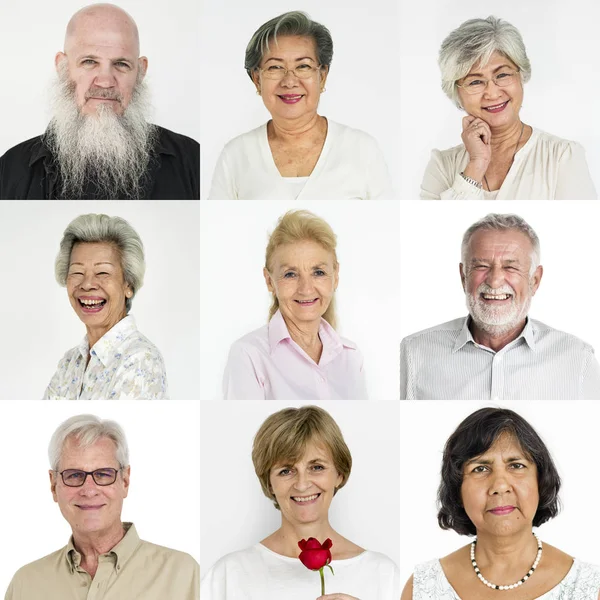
x=314, y=555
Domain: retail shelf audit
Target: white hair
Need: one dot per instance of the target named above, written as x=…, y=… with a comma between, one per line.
x=87, y=430
x=503, y=222
x=112, y=151
x=95, y=228
x=474, y=42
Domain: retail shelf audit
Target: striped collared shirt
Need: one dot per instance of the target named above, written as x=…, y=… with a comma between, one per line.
x=445, y=363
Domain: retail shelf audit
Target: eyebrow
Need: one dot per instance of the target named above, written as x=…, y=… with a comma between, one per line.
x=487, y=260
x=297, y=59
x=93, y=56
x=481, y=74
x=290, y=267
x=491, y=462
x=95, y=264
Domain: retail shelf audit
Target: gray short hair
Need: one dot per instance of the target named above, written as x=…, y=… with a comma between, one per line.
x=474, y=42
x=94, y=228
x=499, y=222
x=289, y=23
x=87, y=430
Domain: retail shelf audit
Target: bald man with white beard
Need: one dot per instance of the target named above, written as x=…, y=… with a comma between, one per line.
x=99, y=143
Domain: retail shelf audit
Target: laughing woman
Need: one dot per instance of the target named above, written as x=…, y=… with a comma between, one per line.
x=484, y=66
x=101, y=263
x=302, y=462
x=498, y=483
x=298, y=154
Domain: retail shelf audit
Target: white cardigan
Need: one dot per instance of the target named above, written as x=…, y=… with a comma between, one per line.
x=545, y=168
x=351, y=166
x=258, y=573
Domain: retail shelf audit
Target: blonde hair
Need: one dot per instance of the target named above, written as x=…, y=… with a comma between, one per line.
x=298, y=226
x=283, y=437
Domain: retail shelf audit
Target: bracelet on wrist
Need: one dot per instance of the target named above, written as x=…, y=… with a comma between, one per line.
x=472, y=181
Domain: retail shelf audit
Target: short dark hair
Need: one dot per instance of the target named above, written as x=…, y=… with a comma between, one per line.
x=474, y=436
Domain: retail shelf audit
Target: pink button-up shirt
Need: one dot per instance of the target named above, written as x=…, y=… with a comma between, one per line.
x=268, y=365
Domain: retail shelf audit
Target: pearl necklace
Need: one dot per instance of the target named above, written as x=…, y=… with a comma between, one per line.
x=514, y=585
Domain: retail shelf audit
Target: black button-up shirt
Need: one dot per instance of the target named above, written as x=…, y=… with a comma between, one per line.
x=29, y=172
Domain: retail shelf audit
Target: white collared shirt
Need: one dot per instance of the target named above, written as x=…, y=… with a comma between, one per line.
x=445, y=363
x=268, y=365
x=124, y=365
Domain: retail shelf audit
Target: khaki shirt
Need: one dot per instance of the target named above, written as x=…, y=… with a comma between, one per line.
x=132, y=570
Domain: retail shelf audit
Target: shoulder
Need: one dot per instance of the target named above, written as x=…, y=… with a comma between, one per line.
x=448, y=330
x=586, y=574
x=23, y=151
x=167, y=556
x=243, y=141
x=140, y=348
x=450, y=156
x=44, y=567
x=350, y=135
x=379, y=561
x=255, y=341
x=553, y=145
x=237, y=560
x=181, y=146
x=543, y=332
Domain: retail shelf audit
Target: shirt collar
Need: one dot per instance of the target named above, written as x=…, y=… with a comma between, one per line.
x=122, y=552
x=107, y=347
x=330, y=339
x=164, y=145
x=465, y=336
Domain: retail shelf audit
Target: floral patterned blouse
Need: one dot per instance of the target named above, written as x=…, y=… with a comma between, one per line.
x=123, y=365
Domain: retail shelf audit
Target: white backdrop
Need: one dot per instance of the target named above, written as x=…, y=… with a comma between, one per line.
x=39, y=324
x=561, y=97
x=234, y=299
x=163, y=442
x=362, y=88
x=430, y=239
x=236, y=514
x=569, y=430
x=32, y=32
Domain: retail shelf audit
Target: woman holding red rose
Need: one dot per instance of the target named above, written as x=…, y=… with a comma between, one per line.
x=301, y=461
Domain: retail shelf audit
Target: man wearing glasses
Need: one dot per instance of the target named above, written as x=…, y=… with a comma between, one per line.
x=104, y=559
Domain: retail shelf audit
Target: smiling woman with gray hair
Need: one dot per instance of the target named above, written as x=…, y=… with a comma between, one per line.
x=484, y=65
x=298, y=153
x=101, y=263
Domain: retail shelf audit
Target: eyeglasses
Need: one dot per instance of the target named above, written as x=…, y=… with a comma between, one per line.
x=277, y=72
x=476, y=85
x=76, y=478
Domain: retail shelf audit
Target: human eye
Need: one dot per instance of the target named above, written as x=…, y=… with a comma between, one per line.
x=320, y=272
x=289, y=275
x=504, y=74
x=284, y=472
x=274, y=68
x=73, y=475
x=304, y=67
x=517, y=466
x=104, y=474
x=318, y=468
x=480, y=267
x=88, y=61
x=122, y=64
x=103, y=273
x=474, y=83
x=479, y=469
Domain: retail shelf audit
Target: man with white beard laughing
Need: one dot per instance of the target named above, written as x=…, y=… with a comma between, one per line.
x=498, y=352
x=99, y=143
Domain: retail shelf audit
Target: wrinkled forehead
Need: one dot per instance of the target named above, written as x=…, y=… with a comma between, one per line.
x=79, y=453
x=108, y=34
x=301, y=253
x=508, y=244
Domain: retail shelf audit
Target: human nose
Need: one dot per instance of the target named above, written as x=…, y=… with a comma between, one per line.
x=499, y=484
x=302, y=481
x=105, y=77
x=305, y=284
x=495, y=277
x=491, y=90
x=289, y=79
x=89, y=485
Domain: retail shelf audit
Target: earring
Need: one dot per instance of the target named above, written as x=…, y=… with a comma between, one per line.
x=257, y=92
x=323, y=90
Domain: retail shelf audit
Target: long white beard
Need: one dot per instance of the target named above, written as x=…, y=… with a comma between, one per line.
x=111, y=150
x=496, y=320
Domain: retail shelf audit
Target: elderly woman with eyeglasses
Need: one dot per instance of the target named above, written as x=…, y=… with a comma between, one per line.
x=484, y=66
x=298, y=154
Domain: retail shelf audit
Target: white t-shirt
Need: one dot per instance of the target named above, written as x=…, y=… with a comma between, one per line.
x=350, y=166
x=257, y=573
x=545, y=168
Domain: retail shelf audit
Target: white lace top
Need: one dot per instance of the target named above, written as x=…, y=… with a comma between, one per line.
x=582, y=582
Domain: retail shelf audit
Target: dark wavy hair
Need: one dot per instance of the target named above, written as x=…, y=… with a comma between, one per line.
x=474, y=436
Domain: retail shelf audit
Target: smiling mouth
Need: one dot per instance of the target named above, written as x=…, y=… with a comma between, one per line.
x=496, y=107
x=305, y=499
x=290, y=98
x=496, y=297
x=91, y=306
x=98, y=507
x=307, y=302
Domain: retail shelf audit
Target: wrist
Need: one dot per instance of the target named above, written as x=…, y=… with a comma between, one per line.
x=476, y=170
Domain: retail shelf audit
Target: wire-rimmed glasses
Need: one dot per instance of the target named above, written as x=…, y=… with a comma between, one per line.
x=473, y=84
x=278, y=72
x=77, y=477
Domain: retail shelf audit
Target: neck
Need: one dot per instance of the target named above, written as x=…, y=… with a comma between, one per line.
x=92, y=545
x=95, y=333
x=292, y=129
x=289, y=534
x=507, y=136
x=504, y=551
x=305, y=334
x=495, y=340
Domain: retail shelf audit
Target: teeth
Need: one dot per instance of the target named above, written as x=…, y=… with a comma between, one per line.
x=496, y=297
x=497, y=106
x=306, y=499
x=90, y=302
